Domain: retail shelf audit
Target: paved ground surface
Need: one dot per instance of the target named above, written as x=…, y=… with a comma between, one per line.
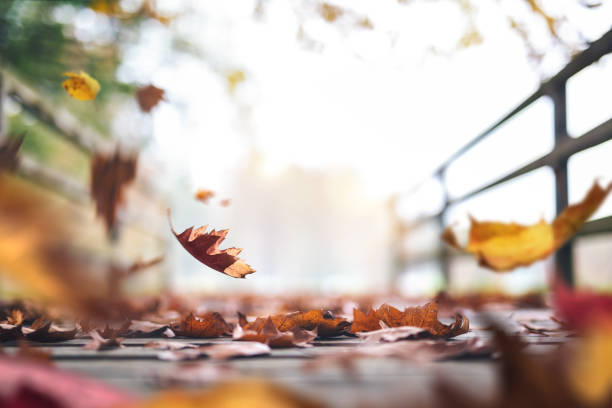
x=138, y=369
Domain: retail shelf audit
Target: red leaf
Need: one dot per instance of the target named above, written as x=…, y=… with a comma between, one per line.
x=204, y=246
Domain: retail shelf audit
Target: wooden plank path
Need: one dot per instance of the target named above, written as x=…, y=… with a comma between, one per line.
x=137, y=369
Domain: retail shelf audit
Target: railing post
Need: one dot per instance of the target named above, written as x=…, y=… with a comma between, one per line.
x=444, y=255
x=564, y=258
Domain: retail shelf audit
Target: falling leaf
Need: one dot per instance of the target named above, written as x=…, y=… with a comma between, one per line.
x=503, y=247
x=365, y=23
x=8, y=152
x=204, y=246
x=329, y=12
x=590, y=372
x=527, y=380
x=148, y=97
x=225, y=202
x=269, y=334
x=425, y=317
x=109, y=176
x=204, y=195
x=582, y=309
x=81, y=86
x=234, y=78
x=209, y=325
x=243, y=393
x=100, y=343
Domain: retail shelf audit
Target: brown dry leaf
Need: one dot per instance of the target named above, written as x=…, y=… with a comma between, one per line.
x=149, y=96
x=9, y=148
x=269, y=334
x=44, y=331
x=204, y=195
x=100, y=343
x=244, y=393
x=425, y=317
x=209, y=325
x=81, y=86
x=204, y=246
x=503, y=247
x=109, y=176
x=323, y=322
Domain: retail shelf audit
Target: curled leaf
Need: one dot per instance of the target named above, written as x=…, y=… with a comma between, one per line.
x=425, y=317
x=81, y=86
x=269, y=334
x=204, y=246
x=503, y=247
x=324, y=322
x=209, y=325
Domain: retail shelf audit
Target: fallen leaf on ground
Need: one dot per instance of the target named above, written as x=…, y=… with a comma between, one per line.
x=424, y=317
x=503, y=247
x=270, y=335
x=44, y=331
x=81, y=86
x=245, y=393
x=391, y=334
x=9, y=147
x=324, y=322
x=220, y=351
x=149, y=96
x=209, y=325
x=99, y=343
x=109, y=176
x=204, y=195
x=204, y=246
x=23, y=380
x=141, y=328
x=169, y=345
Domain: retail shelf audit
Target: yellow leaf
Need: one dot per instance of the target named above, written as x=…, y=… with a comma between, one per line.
x=502, y=247
x=81, y=86
x=234, y=78
x=591, y=372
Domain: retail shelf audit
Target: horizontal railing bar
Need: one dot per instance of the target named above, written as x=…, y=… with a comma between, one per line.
x=593, y=53
x=570, y=146
x=598, y=226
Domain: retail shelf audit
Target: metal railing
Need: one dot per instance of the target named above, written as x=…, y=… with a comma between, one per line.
x=564, y=147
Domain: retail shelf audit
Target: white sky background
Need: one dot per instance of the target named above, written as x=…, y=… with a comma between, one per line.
x=378, y=103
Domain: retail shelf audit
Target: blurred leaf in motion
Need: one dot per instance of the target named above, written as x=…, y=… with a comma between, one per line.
x=109, y=176
x=503, y=247
x=330, y=12
x=244, y=393
x=81, y=86
x=204, y=195
x=9, y=148
x=234, y=78
x=591, y=369
x=204, y=246
x=149, y=96
x=425, y=317
x=582, y=309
